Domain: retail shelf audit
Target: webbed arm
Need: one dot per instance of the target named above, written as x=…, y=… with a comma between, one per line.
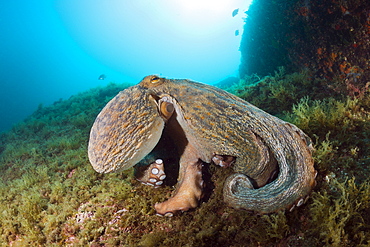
x=125, y=131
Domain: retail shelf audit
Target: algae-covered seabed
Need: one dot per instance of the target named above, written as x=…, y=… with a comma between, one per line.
x=51, y=196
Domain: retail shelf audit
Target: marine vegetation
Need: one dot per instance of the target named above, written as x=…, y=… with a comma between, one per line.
x=340, y=215
x=278, y=92
x=51, y=196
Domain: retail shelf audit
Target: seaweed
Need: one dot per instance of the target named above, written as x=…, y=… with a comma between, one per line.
x=342, y=132
x=340, y=214
x=278, y=93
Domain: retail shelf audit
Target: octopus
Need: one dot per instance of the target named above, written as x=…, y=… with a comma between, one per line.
x=271, y=160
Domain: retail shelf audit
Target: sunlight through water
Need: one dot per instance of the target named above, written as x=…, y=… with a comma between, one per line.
x=184, y=38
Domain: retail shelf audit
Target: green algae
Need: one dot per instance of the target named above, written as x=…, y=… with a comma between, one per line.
x=51, y=196
x=340, y=215
x=279, y=92
x=342, y=132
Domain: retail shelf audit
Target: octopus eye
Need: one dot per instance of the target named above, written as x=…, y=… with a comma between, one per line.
x=154, y=79
x=166, y=109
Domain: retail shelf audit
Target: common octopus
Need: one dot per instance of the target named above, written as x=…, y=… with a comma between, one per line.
x=271, y=159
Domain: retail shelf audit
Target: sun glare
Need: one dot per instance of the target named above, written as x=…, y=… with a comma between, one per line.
x=190, y=38
x=204, y=17
x=205, y=7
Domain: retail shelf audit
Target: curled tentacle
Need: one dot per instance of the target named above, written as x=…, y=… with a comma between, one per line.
x=295, y=179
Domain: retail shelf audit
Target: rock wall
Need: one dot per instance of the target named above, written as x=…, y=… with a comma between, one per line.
x=329, y=37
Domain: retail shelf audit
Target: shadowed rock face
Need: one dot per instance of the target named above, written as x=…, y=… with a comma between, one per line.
x=331, y=38
x=271, y=158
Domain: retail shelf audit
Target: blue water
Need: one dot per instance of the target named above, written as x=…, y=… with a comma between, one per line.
x=54, y=49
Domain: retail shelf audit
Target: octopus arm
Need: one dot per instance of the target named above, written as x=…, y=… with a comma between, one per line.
x=294, y=182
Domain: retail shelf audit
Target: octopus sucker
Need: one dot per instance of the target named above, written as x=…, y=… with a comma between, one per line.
x=153, y=174
x=271, y=159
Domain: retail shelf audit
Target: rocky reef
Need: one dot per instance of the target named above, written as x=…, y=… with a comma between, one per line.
x=330, y=37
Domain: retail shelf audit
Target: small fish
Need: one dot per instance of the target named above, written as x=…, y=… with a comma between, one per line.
x=236, y=32
x=102, y=77
x=235, y=12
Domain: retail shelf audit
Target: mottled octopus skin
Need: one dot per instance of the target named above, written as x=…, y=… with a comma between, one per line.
x=207, y=121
